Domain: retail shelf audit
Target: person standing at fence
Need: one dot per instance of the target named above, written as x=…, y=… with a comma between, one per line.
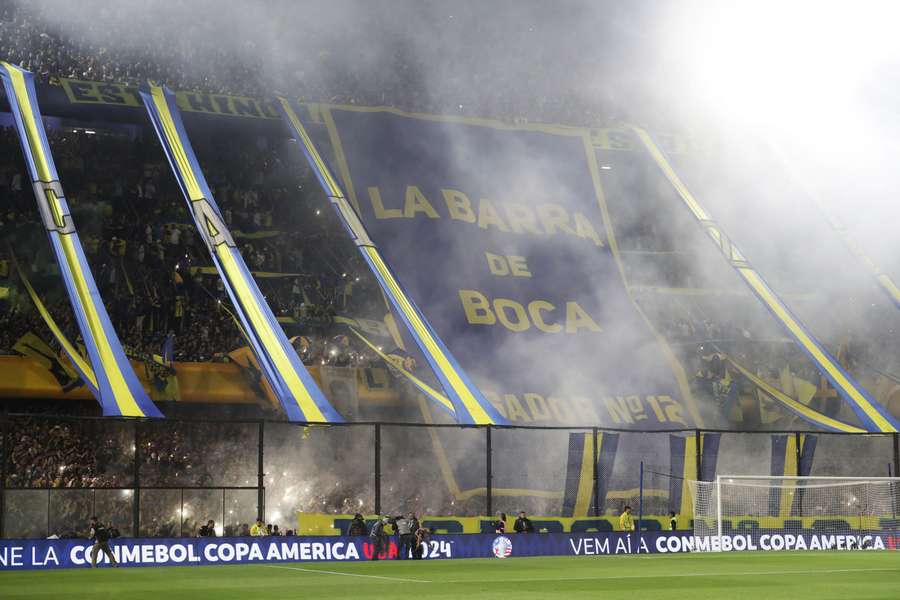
x=379, y=537
x=100, y=537
x=673, y=521
x=626, y=521
x=357, y=526
x=208, y=530
x=259, y=529
x=499, y=525
x=523, y=524
x=405, y=535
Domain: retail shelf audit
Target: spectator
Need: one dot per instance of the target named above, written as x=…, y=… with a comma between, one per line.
x=208, y=530
x=523, y=524
x=259, y=529
x=626, y=522
x=357, y=526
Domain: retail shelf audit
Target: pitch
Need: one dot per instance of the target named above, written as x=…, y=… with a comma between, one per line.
x=795, y=576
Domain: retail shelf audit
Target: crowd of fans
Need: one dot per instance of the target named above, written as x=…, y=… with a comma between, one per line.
x=125, y=45
x=152, y=269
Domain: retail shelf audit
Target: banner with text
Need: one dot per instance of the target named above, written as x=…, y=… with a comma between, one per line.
x=501, y=237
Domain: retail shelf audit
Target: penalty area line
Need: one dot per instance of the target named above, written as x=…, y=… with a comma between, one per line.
x=349, y=574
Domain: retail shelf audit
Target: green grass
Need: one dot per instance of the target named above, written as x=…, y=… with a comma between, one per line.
x=794, y=576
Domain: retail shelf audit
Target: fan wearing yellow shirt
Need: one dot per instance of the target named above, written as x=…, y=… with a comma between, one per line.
x=626, y=521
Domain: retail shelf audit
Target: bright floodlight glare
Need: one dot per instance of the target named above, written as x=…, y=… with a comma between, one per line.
x=766, y=61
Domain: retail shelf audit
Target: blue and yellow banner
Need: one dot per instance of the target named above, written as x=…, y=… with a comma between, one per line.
x=872, y=415
x=499, y=233
x=469, y=405
x=110, y=376
x=295, y=389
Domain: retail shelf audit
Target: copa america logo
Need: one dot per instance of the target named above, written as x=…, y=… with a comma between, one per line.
x=502, y=546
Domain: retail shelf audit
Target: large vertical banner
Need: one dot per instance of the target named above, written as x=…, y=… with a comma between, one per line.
x=500, y=236
x=295, y=389
x=109, y=375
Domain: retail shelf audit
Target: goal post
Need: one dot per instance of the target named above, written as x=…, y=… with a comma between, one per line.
x=753, y=510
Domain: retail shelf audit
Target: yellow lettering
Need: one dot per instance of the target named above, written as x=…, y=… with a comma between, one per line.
x=576, y=318
x=458, y=205
x=559, y=409
x=521, y=322
x=537, y=406
x=521, y=219
x=534, y=309
x=518, y=267
x=553, y=217
x=378, y=206
x=585, y=229
x=618, y=410
x=497, y=264
x=417, y=202
x=477, y=308
x=514, y=409
x=487, y=216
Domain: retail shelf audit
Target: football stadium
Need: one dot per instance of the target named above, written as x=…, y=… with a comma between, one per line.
x=445, y=299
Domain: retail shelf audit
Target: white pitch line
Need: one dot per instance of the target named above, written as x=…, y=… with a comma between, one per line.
x=734, y=574
x=349, y=574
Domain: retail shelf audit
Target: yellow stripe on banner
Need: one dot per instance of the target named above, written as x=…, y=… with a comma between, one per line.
x=792, y=404
x=689, y=472
x=333, y=189
x=676, y=366
x=790, y=468
x=122, y=395
x=432, y=393
x=233, y=272
x=755, y=282
x=178, y=152
x=586, y=477
x=832, y=369
x=71, y=351
x=268, y=337
x=126, y=401
x=479, y=416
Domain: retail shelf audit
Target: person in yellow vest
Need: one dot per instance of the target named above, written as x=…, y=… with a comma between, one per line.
x=626, y=521
x=258, y=529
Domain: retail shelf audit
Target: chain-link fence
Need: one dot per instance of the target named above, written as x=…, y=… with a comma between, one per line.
x=168, y=478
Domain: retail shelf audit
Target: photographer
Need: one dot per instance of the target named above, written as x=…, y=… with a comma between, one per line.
x=100, y=536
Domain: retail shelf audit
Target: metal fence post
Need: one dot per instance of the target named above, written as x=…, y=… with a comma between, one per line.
x=897, y=455
x=377, y=469
x=489, y=474
x=596, y=503
x=260, y=473
x=136, y=483
x=698, y=451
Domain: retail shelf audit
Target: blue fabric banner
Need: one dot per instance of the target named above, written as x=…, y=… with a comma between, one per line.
x=500, y=234
x=289, y=380
x=109, y=375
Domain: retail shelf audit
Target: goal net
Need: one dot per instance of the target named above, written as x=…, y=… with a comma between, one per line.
x=741, y=512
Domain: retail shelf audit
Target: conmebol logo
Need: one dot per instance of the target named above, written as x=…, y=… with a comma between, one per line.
x=502, y=546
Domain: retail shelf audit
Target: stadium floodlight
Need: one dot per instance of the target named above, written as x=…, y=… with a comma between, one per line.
x=761, y=512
